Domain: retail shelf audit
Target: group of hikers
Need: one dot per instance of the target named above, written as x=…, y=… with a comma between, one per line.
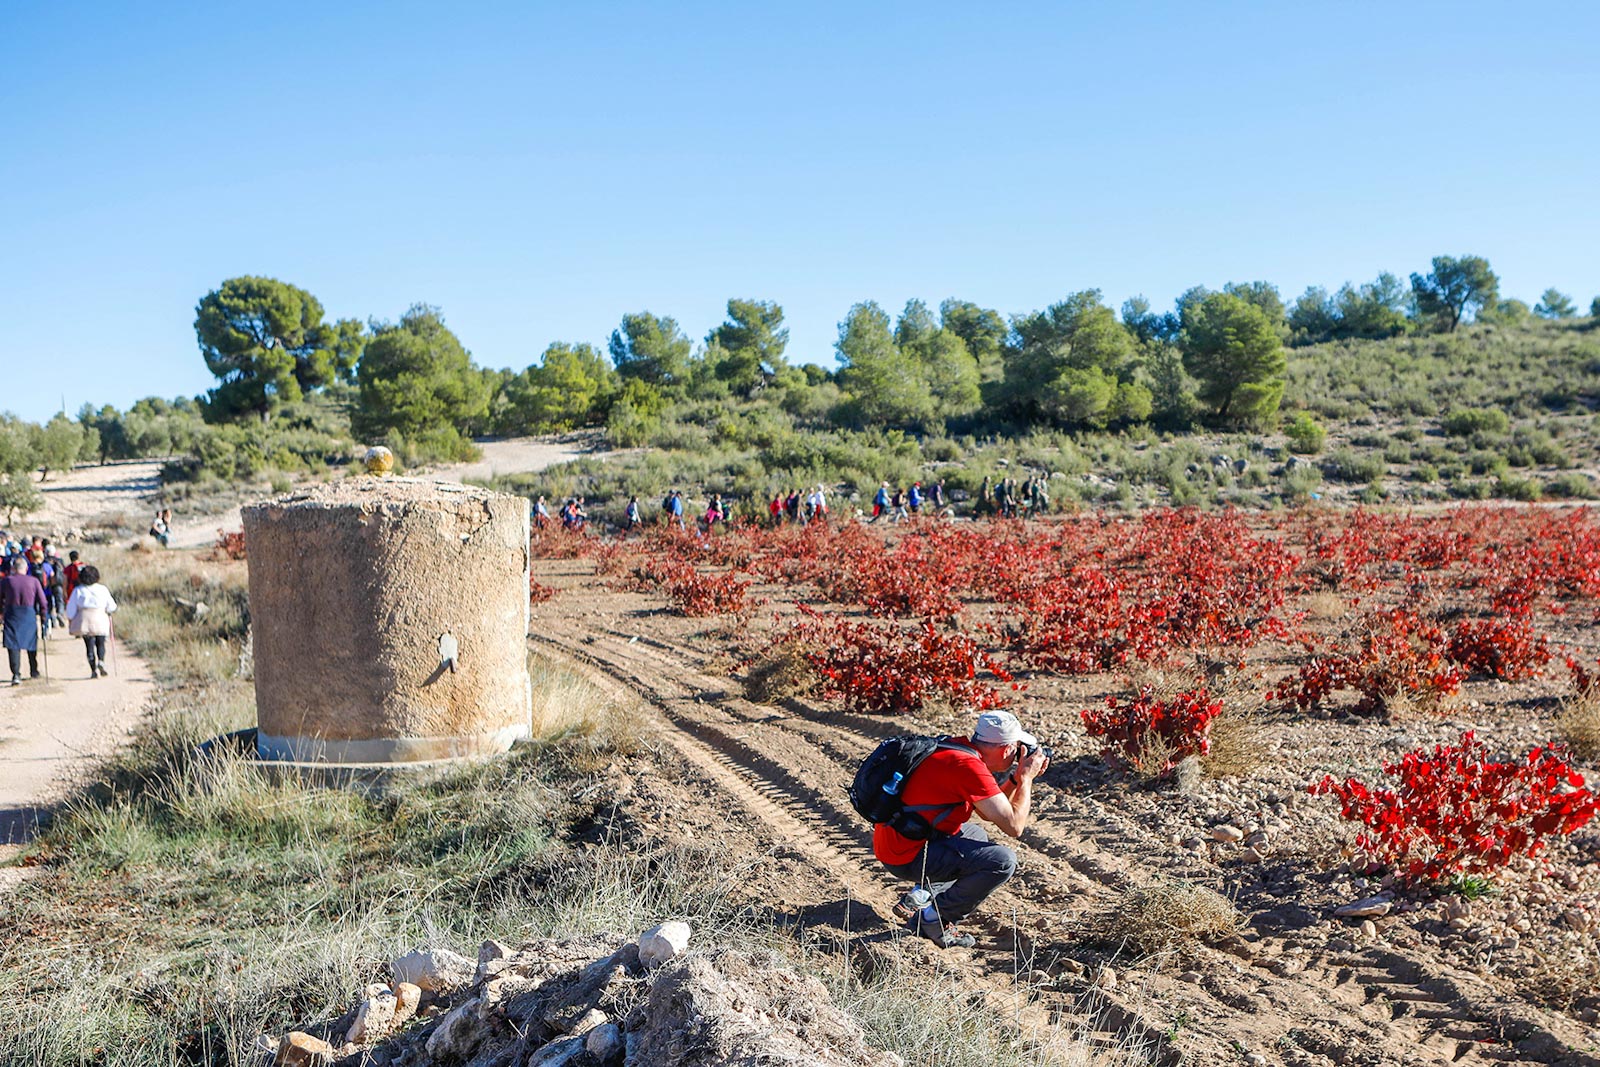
x=996, y=498
x=901, y=504
x=41, y=591
x=1005, y=499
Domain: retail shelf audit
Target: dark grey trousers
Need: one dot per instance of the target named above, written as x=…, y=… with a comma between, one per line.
x=960, y=871
x=14, y=657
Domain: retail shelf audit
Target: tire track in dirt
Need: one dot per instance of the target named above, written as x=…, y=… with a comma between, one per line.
x=788, y=768
x=830, y=835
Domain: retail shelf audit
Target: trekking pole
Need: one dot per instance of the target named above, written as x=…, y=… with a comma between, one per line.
x=111, y=639
x=44, y=644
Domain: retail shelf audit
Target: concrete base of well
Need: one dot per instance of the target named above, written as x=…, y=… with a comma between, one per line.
x=371, y=777
x=389, y=749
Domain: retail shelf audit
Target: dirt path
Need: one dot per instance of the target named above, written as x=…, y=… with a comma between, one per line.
x=87, y=494
x=778, y=774
x=51, y=730
x=90, y=494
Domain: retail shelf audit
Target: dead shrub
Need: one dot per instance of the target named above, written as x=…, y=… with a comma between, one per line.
x=1578, y=722
x=1560, y=982
x=1170, y=918
x=1405, y=706
x=1155, y=760
x=1238, y=744
x=782, y=673
x=1324, y=605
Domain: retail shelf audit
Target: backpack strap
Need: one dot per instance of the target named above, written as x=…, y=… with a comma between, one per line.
x=943, y=809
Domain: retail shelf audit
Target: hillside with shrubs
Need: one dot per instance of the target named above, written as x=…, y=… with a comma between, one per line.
x=1434, y=390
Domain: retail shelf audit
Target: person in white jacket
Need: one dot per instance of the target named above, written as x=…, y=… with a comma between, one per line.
x=89, y=617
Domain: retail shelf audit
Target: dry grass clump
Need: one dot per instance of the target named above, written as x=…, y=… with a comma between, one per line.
x=1405, y=706
x=1155, y=759
x=780, y=674
x=1238, y=744
x=1578, y=722
x=1170, y=918
x=570, y=706
x=1323, y=605
x=1561, y=982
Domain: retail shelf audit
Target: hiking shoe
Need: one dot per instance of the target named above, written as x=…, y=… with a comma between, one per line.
x=936, y=931
x=914, y=900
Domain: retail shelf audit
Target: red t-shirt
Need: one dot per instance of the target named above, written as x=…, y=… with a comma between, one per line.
x=949, y=776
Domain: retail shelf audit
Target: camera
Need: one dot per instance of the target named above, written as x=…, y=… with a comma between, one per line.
x=1028, y=750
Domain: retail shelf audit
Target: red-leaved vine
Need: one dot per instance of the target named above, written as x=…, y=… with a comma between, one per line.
x=1509, y=650
x=883, y=668
x=1458, y=810
x=1181, y=721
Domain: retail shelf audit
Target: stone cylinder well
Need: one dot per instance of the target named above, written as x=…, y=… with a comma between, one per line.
x=359, y=591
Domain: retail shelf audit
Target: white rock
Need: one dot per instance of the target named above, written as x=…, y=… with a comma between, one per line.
x=1367, y=908
x=589, y=1020
x=1106, y=979
x=458, y=1033
x=434, y=969
x=407, y=998
x=664, y=943
x=1369, y=929
x=494, y=950
x=1227, y=834
x=374, y=1018
x=557, y=1053
x=302, y=1050
x=604, y=1042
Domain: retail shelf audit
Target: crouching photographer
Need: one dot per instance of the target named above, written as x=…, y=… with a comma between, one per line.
x=958, y=867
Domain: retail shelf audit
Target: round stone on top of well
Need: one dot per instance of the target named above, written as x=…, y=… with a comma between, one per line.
x=389, y=619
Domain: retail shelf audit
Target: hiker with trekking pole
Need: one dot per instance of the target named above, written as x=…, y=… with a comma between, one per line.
x=89, y=611
x=23, y=601
x=920, y=793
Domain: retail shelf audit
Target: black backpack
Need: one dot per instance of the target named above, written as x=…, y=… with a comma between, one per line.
x=873, y=802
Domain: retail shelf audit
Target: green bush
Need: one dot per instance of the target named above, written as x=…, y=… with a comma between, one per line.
x=1484, y=461
x=1305, y=434
x=1523, y=489
x=1300, y=482
x=1468, y=421
x=1348, y=466
x=1572, y=486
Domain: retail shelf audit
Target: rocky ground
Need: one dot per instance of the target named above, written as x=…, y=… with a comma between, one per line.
x=586, y=1002
x=1330, y=967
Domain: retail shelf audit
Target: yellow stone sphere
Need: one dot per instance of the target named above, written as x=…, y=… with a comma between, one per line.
x=379, y=460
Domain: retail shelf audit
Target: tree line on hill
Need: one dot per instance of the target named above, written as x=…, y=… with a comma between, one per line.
x=1217, y=355
x=295, y=390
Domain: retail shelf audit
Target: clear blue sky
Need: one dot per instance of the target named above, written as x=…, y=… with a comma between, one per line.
x=538, y=170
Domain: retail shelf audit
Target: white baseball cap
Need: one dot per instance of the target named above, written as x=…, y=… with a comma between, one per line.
x=1001, y=728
